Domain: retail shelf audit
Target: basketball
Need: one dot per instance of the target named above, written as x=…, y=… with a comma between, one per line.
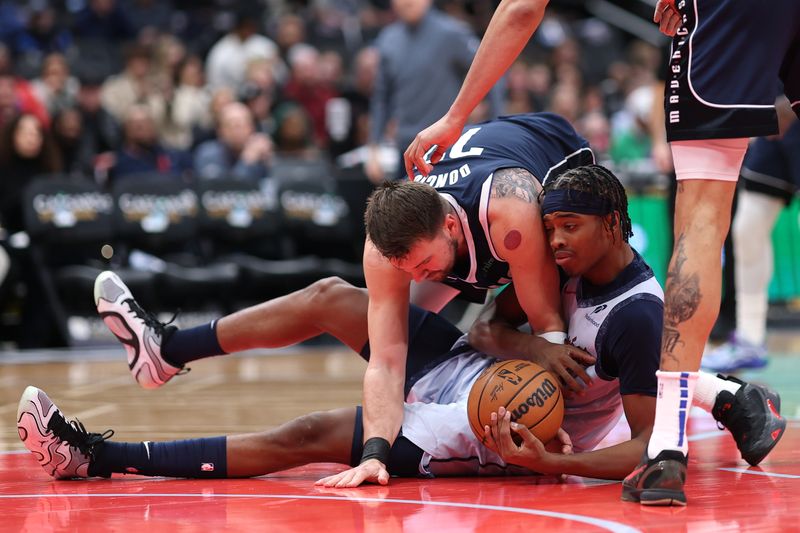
x=528, y=391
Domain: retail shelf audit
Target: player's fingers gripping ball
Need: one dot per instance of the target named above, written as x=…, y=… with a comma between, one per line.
x=529, y=392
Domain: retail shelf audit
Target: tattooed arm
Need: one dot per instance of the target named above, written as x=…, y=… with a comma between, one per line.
x=518, y=237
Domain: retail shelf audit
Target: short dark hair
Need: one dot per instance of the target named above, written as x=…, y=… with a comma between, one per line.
x=400, y=213
x=597, y=181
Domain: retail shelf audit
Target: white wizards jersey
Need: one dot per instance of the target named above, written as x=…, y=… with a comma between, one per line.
x=435, y=413
x=589, y=418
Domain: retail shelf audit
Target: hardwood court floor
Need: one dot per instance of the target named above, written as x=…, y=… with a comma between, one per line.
x=250, y=393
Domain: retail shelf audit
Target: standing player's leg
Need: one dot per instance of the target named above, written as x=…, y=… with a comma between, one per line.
x=720, y=93
x=767, y=186
x=157, y=352
x=66, y=450
x=756, y=215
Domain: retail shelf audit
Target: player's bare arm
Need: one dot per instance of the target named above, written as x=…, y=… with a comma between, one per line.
x=512, y=25
x=614, y=462
x=387, y=318
x=518, y=236
x=495, y=332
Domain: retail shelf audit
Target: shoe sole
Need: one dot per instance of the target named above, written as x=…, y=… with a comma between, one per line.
x=654, y=497
x=729, y=369
x=761, y=457
x=662, y=498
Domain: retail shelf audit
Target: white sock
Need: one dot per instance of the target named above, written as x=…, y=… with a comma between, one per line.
x=707, y=388
x=756, y=214
x=675, y=393
x=751, y=316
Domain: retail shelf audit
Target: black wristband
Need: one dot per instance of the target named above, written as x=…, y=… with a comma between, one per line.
x=376, y=448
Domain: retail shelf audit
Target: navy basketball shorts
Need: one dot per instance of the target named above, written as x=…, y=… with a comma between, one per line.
x=430, y=339
x=772, y=166
x=430, y=342
x=728, y=61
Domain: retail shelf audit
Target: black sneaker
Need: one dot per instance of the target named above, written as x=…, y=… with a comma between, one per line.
x=657, y=481
x=64, y=449
x=753, y=416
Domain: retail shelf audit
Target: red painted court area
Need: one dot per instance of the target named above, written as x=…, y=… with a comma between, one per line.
x=724, y=495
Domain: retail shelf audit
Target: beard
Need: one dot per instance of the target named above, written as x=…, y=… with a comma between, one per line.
x=449, y=263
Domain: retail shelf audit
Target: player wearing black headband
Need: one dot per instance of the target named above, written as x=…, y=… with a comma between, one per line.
x=615, y=310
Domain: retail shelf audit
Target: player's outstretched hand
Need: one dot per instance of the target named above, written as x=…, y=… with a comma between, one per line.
x=566, y=362
x=667, y=17
x=443, y=133
x=531, y=453
x=371, y=471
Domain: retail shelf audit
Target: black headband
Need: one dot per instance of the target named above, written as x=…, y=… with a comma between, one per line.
x=573, y=201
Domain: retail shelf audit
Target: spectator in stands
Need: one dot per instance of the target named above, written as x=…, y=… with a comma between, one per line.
x=259, y=101
x=566, y=101
x=100, y=132
x=169, y=52
x=294, y=133
x=219, y=99
x=134, y=85
x=517, y=98
x=348, y=127
x=290, y=30
x=258, y=93
x=540, y=84
x=155, y=14
x=190, y=106
x=76, y=148
x=26, y=151
x=308, y=88
x=228, y=58
x=41, y=36
x=238, y=152
x=56, y=89
x=10, y=19
x=630, y=140
x=141, y=152
x=17, y=97
x=415, y=87
x=103, y=20
x=331, y=69
x=595, y=128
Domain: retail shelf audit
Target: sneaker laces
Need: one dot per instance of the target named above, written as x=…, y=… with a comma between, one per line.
x=74, y=433
x=163, y=329
x=149, y=319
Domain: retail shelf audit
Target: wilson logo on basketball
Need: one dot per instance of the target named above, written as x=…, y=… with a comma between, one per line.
x=537, y=399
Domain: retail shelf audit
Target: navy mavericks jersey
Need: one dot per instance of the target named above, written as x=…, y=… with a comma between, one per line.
x=544, y=144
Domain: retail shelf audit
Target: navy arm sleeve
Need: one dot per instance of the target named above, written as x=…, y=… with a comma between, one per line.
x=631, y=346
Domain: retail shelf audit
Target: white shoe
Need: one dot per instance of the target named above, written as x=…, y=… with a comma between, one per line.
x=64, y=449
x=139, y=331
x=736, y=354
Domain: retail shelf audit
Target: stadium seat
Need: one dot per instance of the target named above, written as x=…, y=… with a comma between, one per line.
x=244, y=226
x=157, y=221
x=69, y=222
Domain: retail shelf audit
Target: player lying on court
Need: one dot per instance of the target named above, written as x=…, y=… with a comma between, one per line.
x=474, y=224
x=613, y=306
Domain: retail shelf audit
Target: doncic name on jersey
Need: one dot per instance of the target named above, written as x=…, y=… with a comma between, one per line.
x=438, y=181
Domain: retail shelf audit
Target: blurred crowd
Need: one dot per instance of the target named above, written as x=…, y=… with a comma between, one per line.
x=108, y=90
